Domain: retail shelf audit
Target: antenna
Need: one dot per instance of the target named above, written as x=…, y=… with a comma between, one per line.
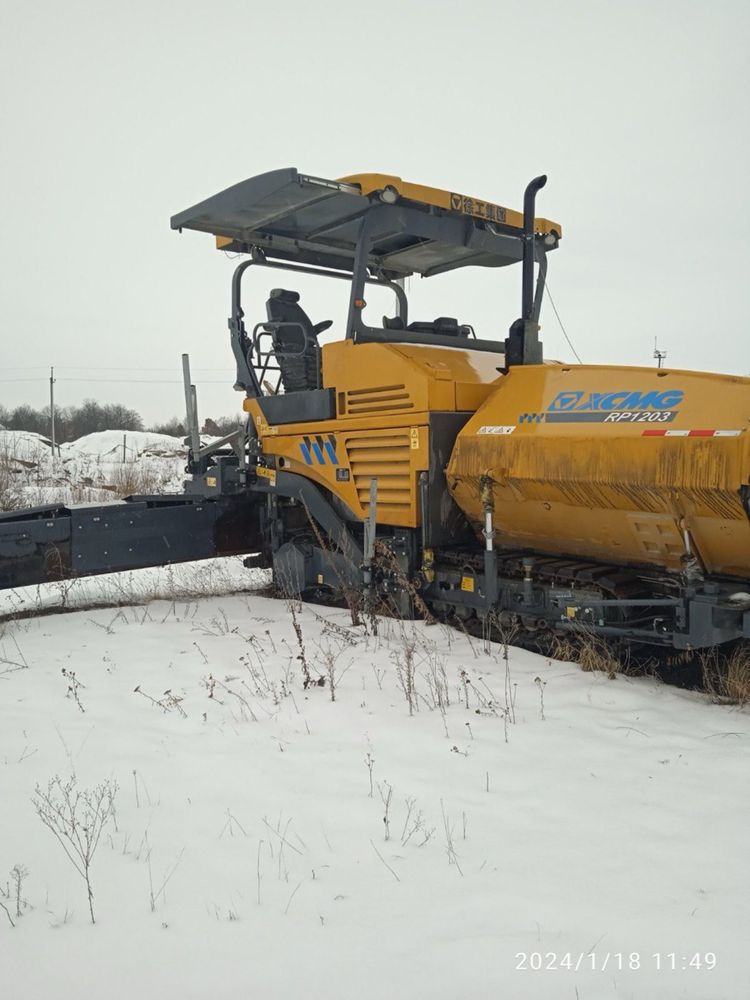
x=659, y=355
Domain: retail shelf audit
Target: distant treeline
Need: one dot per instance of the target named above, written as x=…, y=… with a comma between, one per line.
x=73, y=422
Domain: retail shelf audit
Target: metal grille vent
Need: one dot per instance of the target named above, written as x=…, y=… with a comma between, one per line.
x=382, y=399
x=386, y=458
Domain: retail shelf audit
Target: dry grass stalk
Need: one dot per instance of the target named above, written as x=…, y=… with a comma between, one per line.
x=727, y=678
x=596, y=654
x=406, y=672
x=136, y=477
x=354, y=599
x=564, y=648
x=387, y=558
x=11, y=494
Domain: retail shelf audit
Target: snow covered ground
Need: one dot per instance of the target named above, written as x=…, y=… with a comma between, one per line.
x=537, y=814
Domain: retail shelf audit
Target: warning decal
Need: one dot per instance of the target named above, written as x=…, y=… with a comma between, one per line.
x=264, y=473
x=691, y=433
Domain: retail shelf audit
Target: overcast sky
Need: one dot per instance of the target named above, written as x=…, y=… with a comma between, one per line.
x=115, y=116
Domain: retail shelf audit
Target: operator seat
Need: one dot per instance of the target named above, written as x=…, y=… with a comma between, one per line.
x=295, y=344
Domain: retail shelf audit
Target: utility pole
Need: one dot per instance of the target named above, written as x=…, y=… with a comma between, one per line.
x=659, y=355
x=52, y=408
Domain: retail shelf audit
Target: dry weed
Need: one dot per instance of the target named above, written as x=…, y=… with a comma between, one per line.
x=727, y=678
x=11, y=493
x=563, y=648
x=596, y=654
x=137, y=477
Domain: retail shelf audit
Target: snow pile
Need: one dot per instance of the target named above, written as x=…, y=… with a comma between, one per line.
x=23, y=450
x=126, y=462
x=96, y=468
x=113, y=445
x=271, y=841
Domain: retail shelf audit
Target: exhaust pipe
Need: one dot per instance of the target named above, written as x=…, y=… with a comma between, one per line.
x=522, y=345
x=529, y=204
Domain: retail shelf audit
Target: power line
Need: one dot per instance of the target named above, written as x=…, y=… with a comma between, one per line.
x=142, y=381
x=107, y=368
x=554, y=307
x=103, y=368
x=120, y=381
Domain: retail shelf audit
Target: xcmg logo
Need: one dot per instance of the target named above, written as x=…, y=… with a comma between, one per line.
x=578, y=407
x=621, y=401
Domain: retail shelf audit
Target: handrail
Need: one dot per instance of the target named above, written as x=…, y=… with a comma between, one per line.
x=247, y=379
x=270, y=327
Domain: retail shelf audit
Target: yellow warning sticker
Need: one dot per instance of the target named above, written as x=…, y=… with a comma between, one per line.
x=210, y=480
x=414, y=436
x=467, y=584
x=264, y=429
x=264, y=473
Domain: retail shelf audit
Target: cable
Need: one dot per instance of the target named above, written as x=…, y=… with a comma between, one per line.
x=554, y=307
x=123, y=381
x=138, y=381
x=106, y=368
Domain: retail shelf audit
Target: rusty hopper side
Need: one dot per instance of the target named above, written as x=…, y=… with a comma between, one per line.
x=630, y=465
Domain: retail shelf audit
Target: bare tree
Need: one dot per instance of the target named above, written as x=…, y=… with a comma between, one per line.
x=77, y=818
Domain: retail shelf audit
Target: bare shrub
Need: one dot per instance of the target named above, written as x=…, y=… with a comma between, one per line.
x=333, y=672
x=77, y=819
x=73, y=687
x=737, y=682
x=436, y=678
x=415, y=824
x=595, y=654
x=136, y=477
x=11, y=495
x=563, y=647
x=301, y=656
x=727, y=678
x=388, y=563
x=354, y=598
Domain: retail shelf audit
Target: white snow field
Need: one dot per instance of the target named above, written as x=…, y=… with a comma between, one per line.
x=602, y=836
